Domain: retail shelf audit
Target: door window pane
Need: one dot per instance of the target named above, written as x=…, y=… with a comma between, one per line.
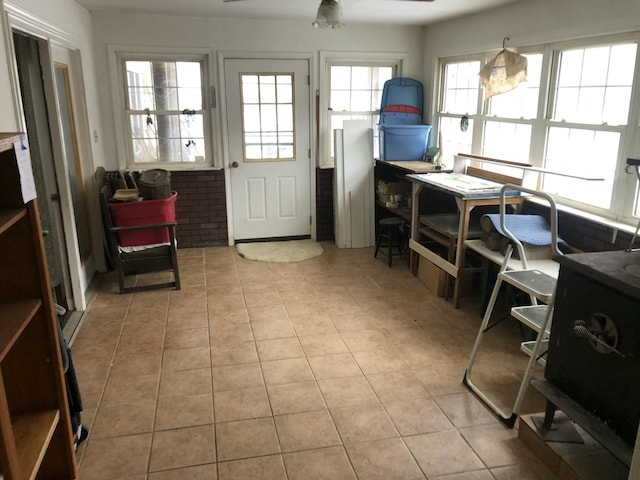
x=268, y=121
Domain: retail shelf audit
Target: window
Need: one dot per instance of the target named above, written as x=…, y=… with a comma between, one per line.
x=354, y=93
x=267, y=117
x=571, y=116
x=165, y=112
x=588, y=119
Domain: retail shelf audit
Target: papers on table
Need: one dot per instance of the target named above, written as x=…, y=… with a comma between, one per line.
x=463, y=184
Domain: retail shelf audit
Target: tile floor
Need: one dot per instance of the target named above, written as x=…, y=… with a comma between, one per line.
x=333, y=368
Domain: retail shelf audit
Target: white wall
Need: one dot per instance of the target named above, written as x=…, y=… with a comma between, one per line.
x=527, y=22
x=228, y=35
x=75, y=22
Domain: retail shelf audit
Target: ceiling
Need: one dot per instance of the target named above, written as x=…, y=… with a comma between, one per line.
x=399, y=12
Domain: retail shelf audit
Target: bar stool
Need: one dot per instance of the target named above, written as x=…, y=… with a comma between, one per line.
x=389, y=230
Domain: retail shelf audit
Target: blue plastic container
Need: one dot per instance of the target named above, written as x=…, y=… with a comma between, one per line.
x=400, y=118
x=402, y=91
x=403, y=142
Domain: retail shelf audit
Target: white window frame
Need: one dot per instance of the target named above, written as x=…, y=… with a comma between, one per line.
x=624, y=196
x=329, y=59
x=117, y=56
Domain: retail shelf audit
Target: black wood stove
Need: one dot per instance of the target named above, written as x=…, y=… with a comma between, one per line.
x=593, y=362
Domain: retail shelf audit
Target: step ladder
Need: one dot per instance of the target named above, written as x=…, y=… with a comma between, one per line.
x=541, y=289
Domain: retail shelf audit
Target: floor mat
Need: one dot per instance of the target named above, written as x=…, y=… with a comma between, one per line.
x=280, y=252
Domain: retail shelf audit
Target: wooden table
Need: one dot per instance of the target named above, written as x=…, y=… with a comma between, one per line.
x=468, y=192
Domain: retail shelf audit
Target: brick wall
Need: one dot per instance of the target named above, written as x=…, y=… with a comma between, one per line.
x=201, y=209
x=324, y=204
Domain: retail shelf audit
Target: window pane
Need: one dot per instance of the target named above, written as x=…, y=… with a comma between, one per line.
x=267, y=89
x=189, y=74
x=507, y=141
x=163, y=90
x=594, y=84
x=356, y=89
x=522, y=101
x=268, y=117
x=454, y=140
x=585, y=152
x=460, y=94
x=250, y=89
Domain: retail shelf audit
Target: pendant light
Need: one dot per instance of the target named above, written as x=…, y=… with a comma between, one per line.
x=329, y=15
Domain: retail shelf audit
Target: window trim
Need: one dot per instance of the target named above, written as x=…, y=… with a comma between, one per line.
x=118, y=54
x=328, y=59
x=624, y=195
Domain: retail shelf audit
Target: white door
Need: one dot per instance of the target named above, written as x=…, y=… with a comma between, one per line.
x=269, y=156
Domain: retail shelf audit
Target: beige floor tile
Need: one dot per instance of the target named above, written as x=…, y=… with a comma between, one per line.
x=326, y=344
x=279, y=349
x=362, y=423
x=241, y=404
x=234, y=354
x=186, y=358
x=475, y=475
x=364, y=340
x=225, y=334
x=386, y=459
x=417, y=415
x=338, y=365
x=231, y=377
x=187, y=338
x=295, y=398
x=246, y=438
x=306, y=431
x=200, y=472
x=443, y=379
x=443, y=453
x=259, y=299
x=182, y=447
x=314, y=324
x=380, y=360
x=344, y=392
x=231, y=317
x=140, y=363
x=367, y=342
x=179, y=411
x=292, y=370
x=272, y=329
x=324, y=463
x=352, y=323
x=119, y=457
x=124, y=387
x=465, y=410
x=496, y=445
x=523, y=472
x=178, y=320
x=124, y=418
x=270, y=467
x=268, y=313
x=396, y=386
x=137, y=342
x=187, y=382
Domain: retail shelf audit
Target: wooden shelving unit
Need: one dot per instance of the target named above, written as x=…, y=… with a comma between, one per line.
x=35, y=430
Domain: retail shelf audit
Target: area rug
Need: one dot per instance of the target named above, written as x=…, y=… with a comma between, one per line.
x=280, y=252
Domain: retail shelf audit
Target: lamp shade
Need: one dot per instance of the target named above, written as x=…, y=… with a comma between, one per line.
x=329, y=15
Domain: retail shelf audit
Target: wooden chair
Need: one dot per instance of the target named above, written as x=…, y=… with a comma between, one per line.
x=146, y=260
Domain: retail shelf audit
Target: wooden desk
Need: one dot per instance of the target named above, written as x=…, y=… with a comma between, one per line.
x=468, y=192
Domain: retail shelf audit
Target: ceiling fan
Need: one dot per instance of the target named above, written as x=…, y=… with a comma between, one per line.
x=330, y=13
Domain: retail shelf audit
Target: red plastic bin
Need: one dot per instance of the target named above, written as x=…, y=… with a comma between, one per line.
x=143, y=213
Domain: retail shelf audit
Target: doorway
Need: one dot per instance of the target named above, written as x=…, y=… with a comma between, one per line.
x=45, y=83
x=268, y=102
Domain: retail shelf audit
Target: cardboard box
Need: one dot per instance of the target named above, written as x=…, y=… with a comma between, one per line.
x=432, y=277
